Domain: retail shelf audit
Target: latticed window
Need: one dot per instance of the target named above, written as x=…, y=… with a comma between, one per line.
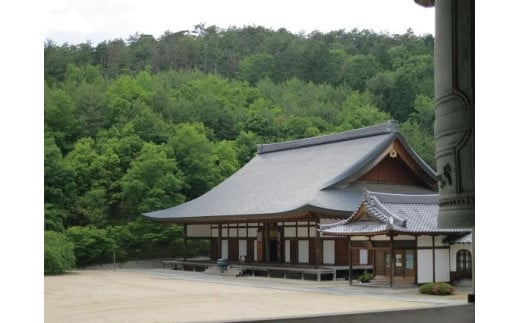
x=463, y=260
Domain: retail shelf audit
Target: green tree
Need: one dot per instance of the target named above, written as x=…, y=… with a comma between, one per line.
x=418, y=129
x=227, y=159
x=359, y=111
x=196, y=157
x=263, y=119
x=153, y=181
x=123, y=100
x=358, y=69
x=61, y=119
x=58, y=253
x=246, y=146
x=59, y=185
x=256, y=67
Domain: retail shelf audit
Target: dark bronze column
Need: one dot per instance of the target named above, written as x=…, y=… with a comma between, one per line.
x=455, y=114
x=455, y=111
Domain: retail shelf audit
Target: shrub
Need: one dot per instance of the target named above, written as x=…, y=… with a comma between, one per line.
x=366, y=277
x=92, y=246
x=436, y=289
x=58, y=253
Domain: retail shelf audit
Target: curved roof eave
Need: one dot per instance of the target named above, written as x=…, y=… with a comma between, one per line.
x=293, y=213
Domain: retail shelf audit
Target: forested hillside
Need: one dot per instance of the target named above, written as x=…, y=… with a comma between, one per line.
x=142, y=124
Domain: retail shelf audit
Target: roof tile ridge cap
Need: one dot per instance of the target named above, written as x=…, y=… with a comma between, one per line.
x=383, y=128
x=372, y=204
x=423, y=198
x=380, y=207
x=363, y=201
x=332, y=225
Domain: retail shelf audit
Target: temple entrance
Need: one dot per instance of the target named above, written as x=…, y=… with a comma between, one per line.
x=269, y=243
x=403, y=263
x=273, y=250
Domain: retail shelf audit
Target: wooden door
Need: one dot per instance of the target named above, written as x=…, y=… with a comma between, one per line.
x=233, y=249
x=399, y=263
x=409, y=264
x=294, y=251
x=379, y=266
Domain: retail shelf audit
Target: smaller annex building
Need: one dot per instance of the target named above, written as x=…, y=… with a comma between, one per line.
x=397, y=234
x=330, y=202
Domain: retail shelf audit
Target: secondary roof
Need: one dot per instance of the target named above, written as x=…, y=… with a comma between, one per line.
x=380, y=213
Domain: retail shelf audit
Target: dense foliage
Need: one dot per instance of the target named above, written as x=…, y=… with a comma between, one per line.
x=143, y=124
x=58, y=253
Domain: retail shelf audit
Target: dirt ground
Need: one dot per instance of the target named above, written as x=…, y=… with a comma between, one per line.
x=126, y=296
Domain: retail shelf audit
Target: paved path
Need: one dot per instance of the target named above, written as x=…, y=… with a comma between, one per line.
x=340, y=287
x=165, y=295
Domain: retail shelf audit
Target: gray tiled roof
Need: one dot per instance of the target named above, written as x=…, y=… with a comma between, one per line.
x=298, y=175
x=464, y=239
x=409, y=213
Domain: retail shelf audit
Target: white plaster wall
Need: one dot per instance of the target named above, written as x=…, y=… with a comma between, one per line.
x=242, y=232
x=424, y=241
x=242, y=248
x=424, y=266
x=287, y=251
x=404, y=237
x=224, y=249
x=438, y=241
x=290, y=232
x=381, y=238
x=359, y=238
x=328, y=252
x=198, y=231
x=224, y=232
x=214, y=233
x=252, y=232
x=303, y=251
x=442, y=265
x=302, y=232
x=232, y=232
x=453, y=254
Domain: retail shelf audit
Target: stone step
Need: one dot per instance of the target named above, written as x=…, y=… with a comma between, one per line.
x=229, y=271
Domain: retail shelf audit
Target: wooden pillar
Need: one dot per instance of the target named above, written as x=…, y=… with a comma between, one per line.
x=317, y=245
x=219, y=241
x=415, y=262
x=349, y=251
x=266, y=237
x=392, y=260
x=185, y=238
x=433, y=257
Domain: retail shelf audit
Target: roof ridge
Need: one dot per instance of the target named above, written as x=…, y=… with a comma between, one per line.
x=390, y=126
x=405, y=198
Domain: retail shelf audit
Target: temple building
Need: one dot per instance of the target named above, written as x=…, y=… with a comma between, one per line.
x=360, y=199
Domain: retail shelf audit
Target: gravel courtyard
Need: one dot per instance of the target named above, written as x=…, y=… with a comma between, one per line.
x=176, y=296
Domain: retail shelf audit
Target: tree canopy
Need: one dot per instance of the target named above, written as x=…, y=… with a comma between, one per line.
x=142, y=124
